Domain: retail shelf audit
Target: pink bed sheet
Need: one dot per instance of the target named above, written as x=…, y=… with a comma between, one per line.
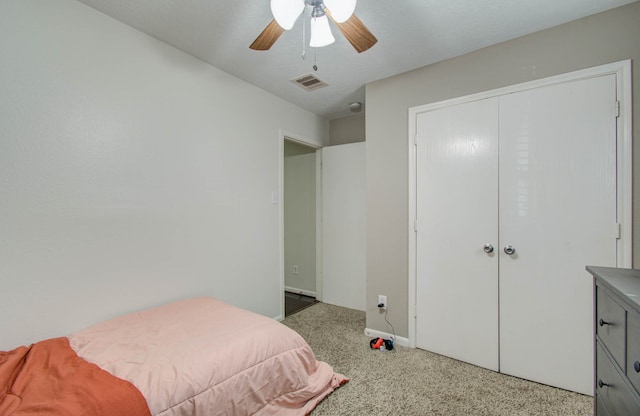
x=205, y=357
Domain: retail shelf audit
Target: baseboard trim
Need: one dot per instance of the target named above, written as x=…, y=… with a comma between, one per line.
x=379, y=334
x=300, y=291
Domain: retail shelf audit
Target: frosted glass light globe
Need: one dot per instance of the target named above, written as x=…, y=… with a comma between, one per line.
x=286, y=12
x=321, y=32
x=341, y=10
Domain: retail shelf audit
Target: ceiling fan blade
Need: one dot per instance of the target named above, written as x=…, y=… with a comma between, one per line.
x=268, y=37
x=356, y=33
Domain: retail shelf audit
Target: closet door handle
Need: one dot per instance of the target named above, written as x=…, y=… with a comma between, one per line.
x=602, y=384
x=636, y=366
x=509, y=249
x=488, y=248
x=602, y=322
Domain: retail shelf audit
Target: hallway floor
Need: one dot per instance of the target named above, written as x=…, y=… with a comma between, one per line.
x=294, y=302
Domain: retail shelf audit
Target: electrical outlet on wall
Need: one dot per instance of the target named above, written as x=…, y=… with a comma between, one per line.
x=295, y=269
x=382, y=302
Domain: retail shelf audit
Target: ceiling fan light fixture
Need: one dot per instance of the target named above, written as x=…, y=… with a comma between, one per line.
x=341, y=10
x=286, y=12
x=320, y=32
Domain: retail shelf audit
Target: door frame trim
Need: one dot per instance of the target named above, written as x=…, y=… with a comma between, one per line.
x=624, y=162
x=292, y=137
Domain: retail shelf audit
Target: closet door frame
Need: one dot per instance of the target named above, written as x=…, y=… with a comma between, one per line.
x=622, y=70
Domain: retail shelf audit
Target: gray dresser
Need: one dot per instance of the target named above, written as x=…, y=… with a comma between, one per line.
x=617, y=341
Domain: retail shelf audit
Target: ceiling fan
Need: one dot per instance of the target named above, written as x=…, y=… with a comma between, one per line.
x=286, y=12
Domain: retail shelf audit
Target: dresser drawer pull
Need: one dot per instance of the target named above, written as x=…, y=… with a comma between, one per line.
x=602, y=384
x=636, y=366
x=602, y=322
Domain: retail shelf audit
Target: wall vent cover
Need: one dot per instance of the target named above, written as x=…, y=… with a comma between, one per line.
x=309, y=82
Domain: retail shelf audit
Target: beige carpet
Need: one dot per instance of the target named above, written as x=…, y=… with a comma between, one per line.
x=415, y=382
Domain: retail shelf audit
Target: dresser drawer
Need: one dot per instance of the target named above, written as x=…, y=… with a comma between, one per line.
x=600, y=409
x=612, y=391
x=610, y=325
x=633, y=349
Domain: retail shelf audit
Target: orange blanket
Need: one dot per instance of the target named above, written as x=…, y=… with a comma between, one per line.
x=48, y=378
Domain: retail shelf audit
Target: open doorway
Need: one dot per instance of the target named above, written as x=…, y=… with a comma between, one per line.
x=300, y=225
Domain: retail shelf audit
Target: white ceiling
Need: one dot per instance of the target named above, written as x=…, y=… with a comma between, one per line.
x=411, y=34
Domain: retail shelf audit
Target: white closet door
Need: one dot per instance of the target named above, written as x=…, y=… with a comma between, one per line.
x=457, y=199
x=558, y=209
x=344, y=225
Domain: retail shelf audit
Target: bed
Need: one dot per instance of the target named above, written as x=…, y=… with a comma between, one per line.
x=193, y=357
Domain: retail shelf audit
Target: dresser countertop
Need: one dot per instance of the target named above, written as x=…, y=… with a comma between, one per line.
x=624, y=282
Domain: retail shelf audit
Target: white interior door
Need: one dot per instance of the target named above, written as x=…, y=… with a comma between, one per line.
x=344, y=225
x=558, y=209
x=457, y=200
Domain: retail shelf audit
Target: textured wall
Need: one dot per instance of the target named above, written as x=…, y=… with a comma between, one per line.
x=129, y=176
x=347, y=130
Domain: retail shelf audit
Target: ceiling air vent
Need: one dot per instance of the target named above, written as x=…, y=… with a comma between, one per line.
x=309, y=82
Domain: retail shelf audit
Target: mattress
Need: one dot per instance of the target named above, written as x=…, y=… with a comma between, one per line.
x=205, y=357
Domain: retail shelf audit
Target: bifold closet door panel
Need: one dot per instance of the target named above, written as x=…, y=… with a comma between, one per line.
x=558, y=210
x=457, y=200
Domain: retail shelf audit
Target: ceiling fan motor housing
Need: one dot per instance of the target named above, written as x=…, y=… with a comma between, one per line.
x=318, y=7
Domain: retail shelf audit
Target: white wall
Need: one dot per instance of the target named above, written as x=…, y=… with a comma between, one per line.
x=300, y=218
x=129, y=176
x=346, y=130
